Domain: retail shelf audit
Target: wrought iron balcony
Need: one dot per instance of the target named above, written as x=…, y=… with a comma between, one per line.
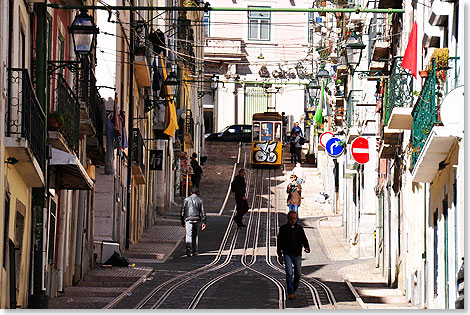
x=66, y=114
x=91, y=106
x=400, y=97
x=425, y=116
x=137, y=154
x=353, y=99
x=25, y=120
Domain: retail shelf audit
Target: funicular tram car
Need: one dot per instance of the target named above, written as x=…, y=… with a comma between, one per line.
x=266, y=144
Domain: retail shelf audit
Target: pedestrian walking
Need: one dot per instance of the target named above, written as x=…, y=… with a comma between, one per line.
x=197, y=171
x=293, y=155
x=238, y=186
x=290, y=240
x=296, y=129
x=193, y=215
x=294, y=194
x=300, y=173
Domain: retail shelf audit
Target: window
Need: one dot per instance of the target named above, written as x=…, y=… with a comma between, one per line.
x=311, y=26
x=256, y=131
x=259, y=25
x=267, y=132
x=277, y=132
x=207, y=22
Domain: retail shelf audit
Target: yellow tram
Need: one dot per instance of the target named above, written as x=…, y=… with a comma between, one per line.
x=266, y=144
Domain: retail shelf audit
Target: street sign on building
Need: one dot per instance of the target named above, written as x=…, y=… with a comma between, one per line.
x=324, y=137
x=333, y=147
x=360, y=150
x=156, y=160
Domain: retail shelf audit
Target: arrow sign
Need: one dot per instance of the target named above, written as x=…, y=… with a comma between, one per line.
x=360, y=150
x=333, y=148
x=324, y=137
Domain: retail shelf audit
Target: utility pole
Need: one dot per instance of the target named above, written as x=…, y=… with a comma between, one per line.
x=130, y=128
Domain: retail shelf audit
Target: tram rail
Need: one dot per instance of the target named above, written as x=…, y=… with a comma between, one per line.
x=261, y=220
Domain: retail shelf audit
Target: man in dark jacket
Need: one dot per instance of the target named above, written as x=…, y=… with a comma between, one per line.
x=197, y=171
x=296, y=129
x=192, y=215
x=290, y=240
x=238, y=186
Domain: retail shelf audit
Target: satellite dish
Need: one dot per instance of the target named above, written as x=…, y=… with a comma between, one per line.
x=452, y=110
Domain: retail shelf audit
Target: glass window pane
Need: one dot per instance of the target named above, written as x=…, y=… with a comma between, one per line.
x=277, y=132
x=265, y=28
x=255, y=131
x=259, y=14
x=267, y=131
x=253, y=29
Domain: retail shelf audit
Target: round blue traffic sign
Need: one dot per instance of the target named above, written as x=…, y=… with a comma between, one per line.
x=333, y=147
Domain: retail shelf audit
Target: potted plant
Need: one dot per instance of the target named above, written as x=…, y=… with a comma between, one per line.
x=310, y=157
x=55, y=120
x=423, y=73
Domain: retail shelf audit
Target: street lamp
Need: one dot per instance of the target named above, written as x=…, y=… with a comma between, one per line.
x=353, y=53
x=323, y=73
x=312, y=88
x=172, y=82
x=214, y=82
x=84, y=31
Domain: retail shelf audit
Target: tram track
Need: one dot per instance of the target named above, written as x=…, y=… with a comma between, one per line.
x=223, y=266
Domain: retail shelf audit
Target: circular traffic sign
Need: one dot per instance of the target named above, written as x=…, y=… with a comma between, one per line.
x=333, y=147
x=324, y=137
x=360, y=150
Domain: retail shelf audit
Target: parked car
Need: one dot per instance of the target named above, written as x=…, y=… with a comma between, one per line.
x=234, y=133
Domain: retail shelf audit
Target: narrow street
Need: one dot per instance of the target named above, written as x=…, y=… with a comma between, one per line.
x=112, y=110
x=228, y=277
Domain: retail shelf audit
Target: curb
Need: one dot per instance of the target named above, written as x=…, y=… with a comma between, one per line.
x=348, y=283
x=354, y=292
x=130, y=289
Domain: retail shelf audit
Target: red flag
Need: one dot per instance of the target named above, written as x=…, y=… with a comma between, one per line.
x=410, y=59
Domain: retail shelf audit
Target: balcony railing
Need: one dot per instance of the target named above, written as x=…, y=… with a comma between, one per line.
x=425, y=115
x=89, y=96
x=353, y=99
x=138, y=149
x=400, y=93
x=453, y=77
x=25, y=117
x=67, y=112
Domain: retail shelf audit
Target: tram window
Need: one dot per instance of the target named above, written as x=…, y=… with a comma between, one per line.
x=267, y=131
x=277, y=132
x=256, y=131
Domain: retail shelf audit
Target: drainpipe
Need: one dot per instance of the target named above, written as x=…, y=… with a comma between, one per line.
x=130, y=133
x=38, y=297
x=389, y=202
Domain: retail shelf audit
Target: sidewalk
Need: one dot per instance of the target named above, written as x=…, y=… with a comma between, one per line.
x=363, y=278
x=105, y=287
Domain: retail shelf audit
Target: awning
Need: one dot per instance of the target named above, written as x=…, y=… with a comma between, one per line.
x=69, y=172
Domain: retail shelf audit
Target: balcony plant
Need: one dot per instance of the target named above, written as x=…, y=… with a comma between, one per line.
x=55, y=119
x=441, y=57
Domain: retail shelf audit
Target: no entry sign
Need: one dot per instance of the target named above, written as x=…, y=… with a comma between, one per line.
x=360, y=150
x=324, y=137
